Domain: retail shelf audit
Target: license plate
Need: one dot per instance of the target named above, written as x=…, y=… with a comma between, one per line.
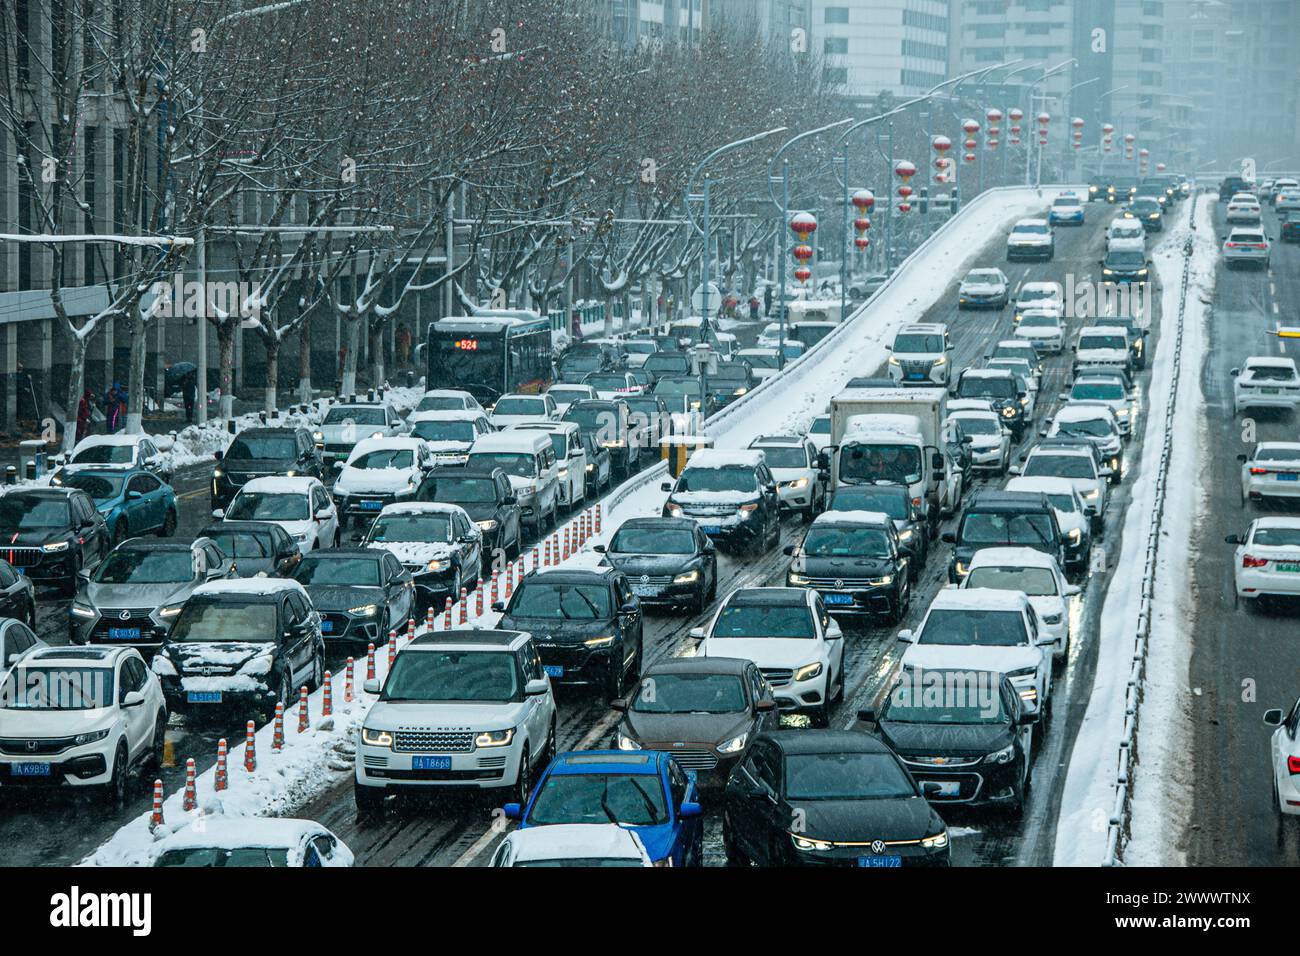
x=30, y=769
x=203, y=697
x=711, y=528
x=430, y=763
x=917, y=377
x=1268, y=391
x=326, y=627
x=948, y=788
x=645, y=590
x=1287, y=476
x=1289, y=568
x=553, y=670
x=371, y=505
x=887, y=861
x=124, y=633
x=838, y=598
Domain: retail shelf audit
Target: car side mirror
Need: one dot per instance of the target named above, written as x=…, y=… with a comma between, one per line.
x=1243, y=458
x=598, y=548
x=1273, y=717
x=83, y=577
x=371, y=686
x=1105, y=471
x=1014, y=470
x=1072, y=589
x=1234, y=539
x=948, y=537
x=788, y=549
x=218, y=455
x=512, y=811
x=936, y=461
x=697, y=633
x=499, y=606
x=906, y=636
x=764, y=706
x=666, y=486
x=688, y=809
x=1025, y=720
x=509, y=500
x=212, y=574
x=535, y=688
x=133, y=698
x=219, y=513
x=930, y=788
x=867, y=714
x=1234, y=372
x=631, y=607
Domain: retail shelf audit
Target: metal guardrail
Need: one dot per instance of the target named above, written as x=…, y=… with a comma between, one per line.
x=1126, y=757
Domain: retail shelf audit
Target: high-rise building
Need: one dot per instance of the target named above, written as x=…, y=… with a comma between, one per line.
x=1260, y=74
x=781, y=21
x=640, y=21
x=870, y=46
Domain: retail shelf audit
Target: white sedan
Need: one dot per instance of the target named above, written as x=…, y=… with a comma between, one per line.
x=301, y=506
x=990, y=440
x=1035, y=574
x=1043, y=329
x=1267, y=560
x=1265, y=381
x=1272, y=471
x=1284, y=753
x=572, y=844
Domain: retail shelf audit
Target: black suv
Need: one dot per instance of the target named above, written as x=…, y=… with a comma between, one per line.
x=581, y=360
x=256, y=546
x=667, y=560
x=909, y=522
x=609, y=423
x=360, y=593
x=50, y=534
x=487, y=498
x=263, y=453
x=1232, y=185
x=731, y=495
x=244, y=647
x=855, y=562
x=730, y=381
x=1004, y=519
x=586, y=624
x=1001, y=390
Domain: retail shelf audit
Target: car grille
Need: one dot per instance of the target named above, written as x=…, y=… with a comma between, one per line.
x=941, y=761
x=778, y=676
x=337, y=448
x=916, y=367
x=708, y=511
x=112, y=617
x=18, y=747
x=650, y=580
x=839, y=583
x=433, y=741
x=695, y=759
x=22, y=557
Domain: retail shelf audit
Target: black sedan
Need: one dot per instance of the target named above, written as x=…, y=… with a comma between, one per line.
x=360, y=593
x=962, y=734
x=17, y=595
x=828, y=798
x=1290, y=226
x=855, y=562
x=667, y=561
x=50, y=534
x=257, y=547
x=586, y=624
x=487, y=498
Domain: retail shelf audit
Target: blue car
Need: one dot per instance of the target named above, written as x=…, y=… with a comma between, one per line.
x=132, y=501
x=645, y=790
x=1067, y=209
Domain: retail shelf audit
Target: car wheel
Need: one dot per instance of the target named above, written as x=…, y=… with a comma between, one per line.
x=115, y=789
x=369, y=800
x=700, y=601
x=821, y=715
x=524, y=782
x=169, y=524
x=614, y=679
x=120, y=532
x=552, y=746
x=735, y=855
x=159, y=740
x=1017, y=808
x=31, y=615
x=317, y=671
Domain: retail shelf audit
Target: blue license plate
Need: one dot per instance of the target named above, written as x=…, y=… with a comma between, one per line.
x=372, y=505
x=1287, y=476
x=711, y=528
x=203, y=697
x=326, y=627
x=124, y=633
x=917, y=377
x=430, y=763
x=888, y=861
x=30, y=769
x=838, y=598
x=553, y=670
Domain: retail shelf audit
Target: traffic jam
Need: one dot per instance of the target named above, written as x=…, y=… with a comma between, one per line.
x=621, y=603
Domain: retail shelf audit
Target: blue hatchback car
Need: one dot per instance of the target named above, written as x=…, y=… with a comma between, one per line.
x=133, y=501
x=645, y=790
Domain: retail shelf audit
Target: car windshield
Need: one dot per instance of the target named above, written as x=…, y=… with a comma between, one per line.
x=54, y=687
x=431, y=528
x=691, y=694
x=606, y=382
x=241, y=544
x=630, y=799
x=567, y=396
x=991, y=386
x=358, y=416
x=871, y=499
x=358, y=571
x=561, y=602
x=762, y=361
x=764, y=620
x=659, y=363
x=1030, y=230
x=918, y=343
x=979, y=277
x=105, y=455
x=1006, y=528
x=582, y=362
x=963, y=699
x=243, y=856
x=1095, y=341
x=1023, y=350
x=677, y=387
x=268, y=506
x=846, y=776
x=520, y=406
x=1039, y=321
x=834, y=541
x=972, y=626
x=454, y=675
x=1036, y=294
x=1271, y=373
x=1059, y=466
x=228, y=619
x=644, y=540
x=24, y=513
x=140, y=566
x=594, y=417
x=1125, y=258
x=980, y=426
x=785, y=456
x=1101, y=391
x=462, y=432
x=383, y=458
x=1035, y=582
x=820, y=426
x=1086, y=428
x=639, y=348
x=863, y=461
x=718, y=479
x=99, y=487
x=440, y=403
x=247, y=447
x=1065, y=503
x=518, y=465
x=466, y=490
x=1277, y=537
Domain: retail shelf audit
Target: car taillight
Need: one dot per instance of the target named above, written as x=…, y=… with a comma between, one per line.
x=1259, y=471
x=1293, y=764
x=1249, y=561
x=1231, y=245
x=916, y=502
x=1260, y=245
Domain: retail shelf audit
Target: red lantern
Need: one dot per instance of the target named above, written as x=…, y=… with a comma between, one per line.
x=941, y=144
x=904, y=190
x=1160, y=167
x=1077, y=122
x=993, y=116
x=803, y=274
x=970, y=127
x=942, y=162
x=1107, y=129
x=1015, y=129
x=969, y=157
x=802, y=252
x=970, y=144
x=1106, y=146
x=1016, y=114
x=993, y=142
x=905, y=169
x=862, y=242
x=940, y=178
x=863, y=200
x=803, y=225
x=862, y=224
x=904, y=207
x=1044, y=119
x=1144, y=152
x=1129, y=137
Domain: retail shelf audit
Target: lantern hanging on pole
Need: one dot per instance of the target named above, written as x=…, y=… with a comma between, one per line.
x=1129, y=138
x=905, y=191
x=905, y=169
x=994, y=116
x=1016, y=114
x=863, y=200
x=1107, y=129
x=970, y=144
x=803, y=274
x=969, y=157
x=1144, y=152
x=941, y=144
x=862, y=242
x=1160, y=167
x=803, y=252
x=904, y=207
x=992, y=141
x=861, y=224
x=803, y=225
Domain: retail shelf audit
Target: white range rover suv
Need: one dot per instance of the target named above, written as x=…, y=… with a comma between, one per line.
x=468, y=709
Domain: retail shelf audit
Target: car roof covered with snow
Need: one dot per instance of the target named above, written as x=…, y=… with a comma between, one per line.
x=1278, y=521
x=233, y=833
x=118, y=439
x=391, y=443
x=725, y=458
x=978, y=599
x=250, y=587
x=1085, y=411
x=853, y=517
x=606, y=841
x=279, y=484
x=420, y=508
x=1044, y=484
x=1010, y=558
x=1270, y=361
x=446, y=415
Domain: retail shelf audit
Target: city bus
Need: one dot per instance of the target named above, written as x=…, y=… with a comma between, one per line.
x=490, y=354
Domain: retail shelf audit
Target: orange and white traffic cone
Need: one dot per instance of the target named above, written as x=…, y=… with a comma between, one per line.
x=327, y=701
x=191, y=799
x=219, y=781
x=304, y=716
x=410, y=630
x=464, y=606
x=250, y=746
x=478, y=598
x=156, y=817
x=392, y=648
x=510, y=579
x=277, y=736
x=597, y=519
x=537, y=561
x=347, y=683
x=370, y=662
x=446, y=615
x=496, y=588
x=428, y=619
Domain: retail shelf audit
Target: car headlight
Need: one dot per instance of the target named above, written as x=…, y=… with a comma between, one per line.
x=741, y=391
x=894, y=361
x=364, y=610
x=1008, y=412
x=437, y=564
x=377, y=435
x=56, y=546
x=690, y=577
x=170, y=611
x=319, y=436
x=564, y=473
x=495, y=738
x=803, y=843
x=961, y=569
x=487, y=525
x=797, y=484
x=605, y=640
x=941, y=360
x=627, y=743
x=1075, y=535
x=674, y=511
x=881, y=581
x=300, y=537
x=936, y=842
x=614, y=443
x=82, y=610
x=216, y=473
x=1005, y=755
x=1142, y=272
x=808, y=671
x=376, y=738
x=1090, y=495
x=591, y=466
x=1051, y=619
x=89, y=737
x=291, y=473
x=795, y=577
x=906, y=534
x=259, y=665
x=747, y=509
x=734, y=745
x=1024, y=402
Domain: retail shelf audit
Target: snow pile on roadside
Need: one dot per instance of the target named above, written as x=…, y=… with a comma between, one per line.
x=1089, y=790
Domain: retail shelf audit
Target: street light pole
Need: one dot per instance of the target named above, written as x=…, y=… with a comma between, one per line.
x=1029, y=151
